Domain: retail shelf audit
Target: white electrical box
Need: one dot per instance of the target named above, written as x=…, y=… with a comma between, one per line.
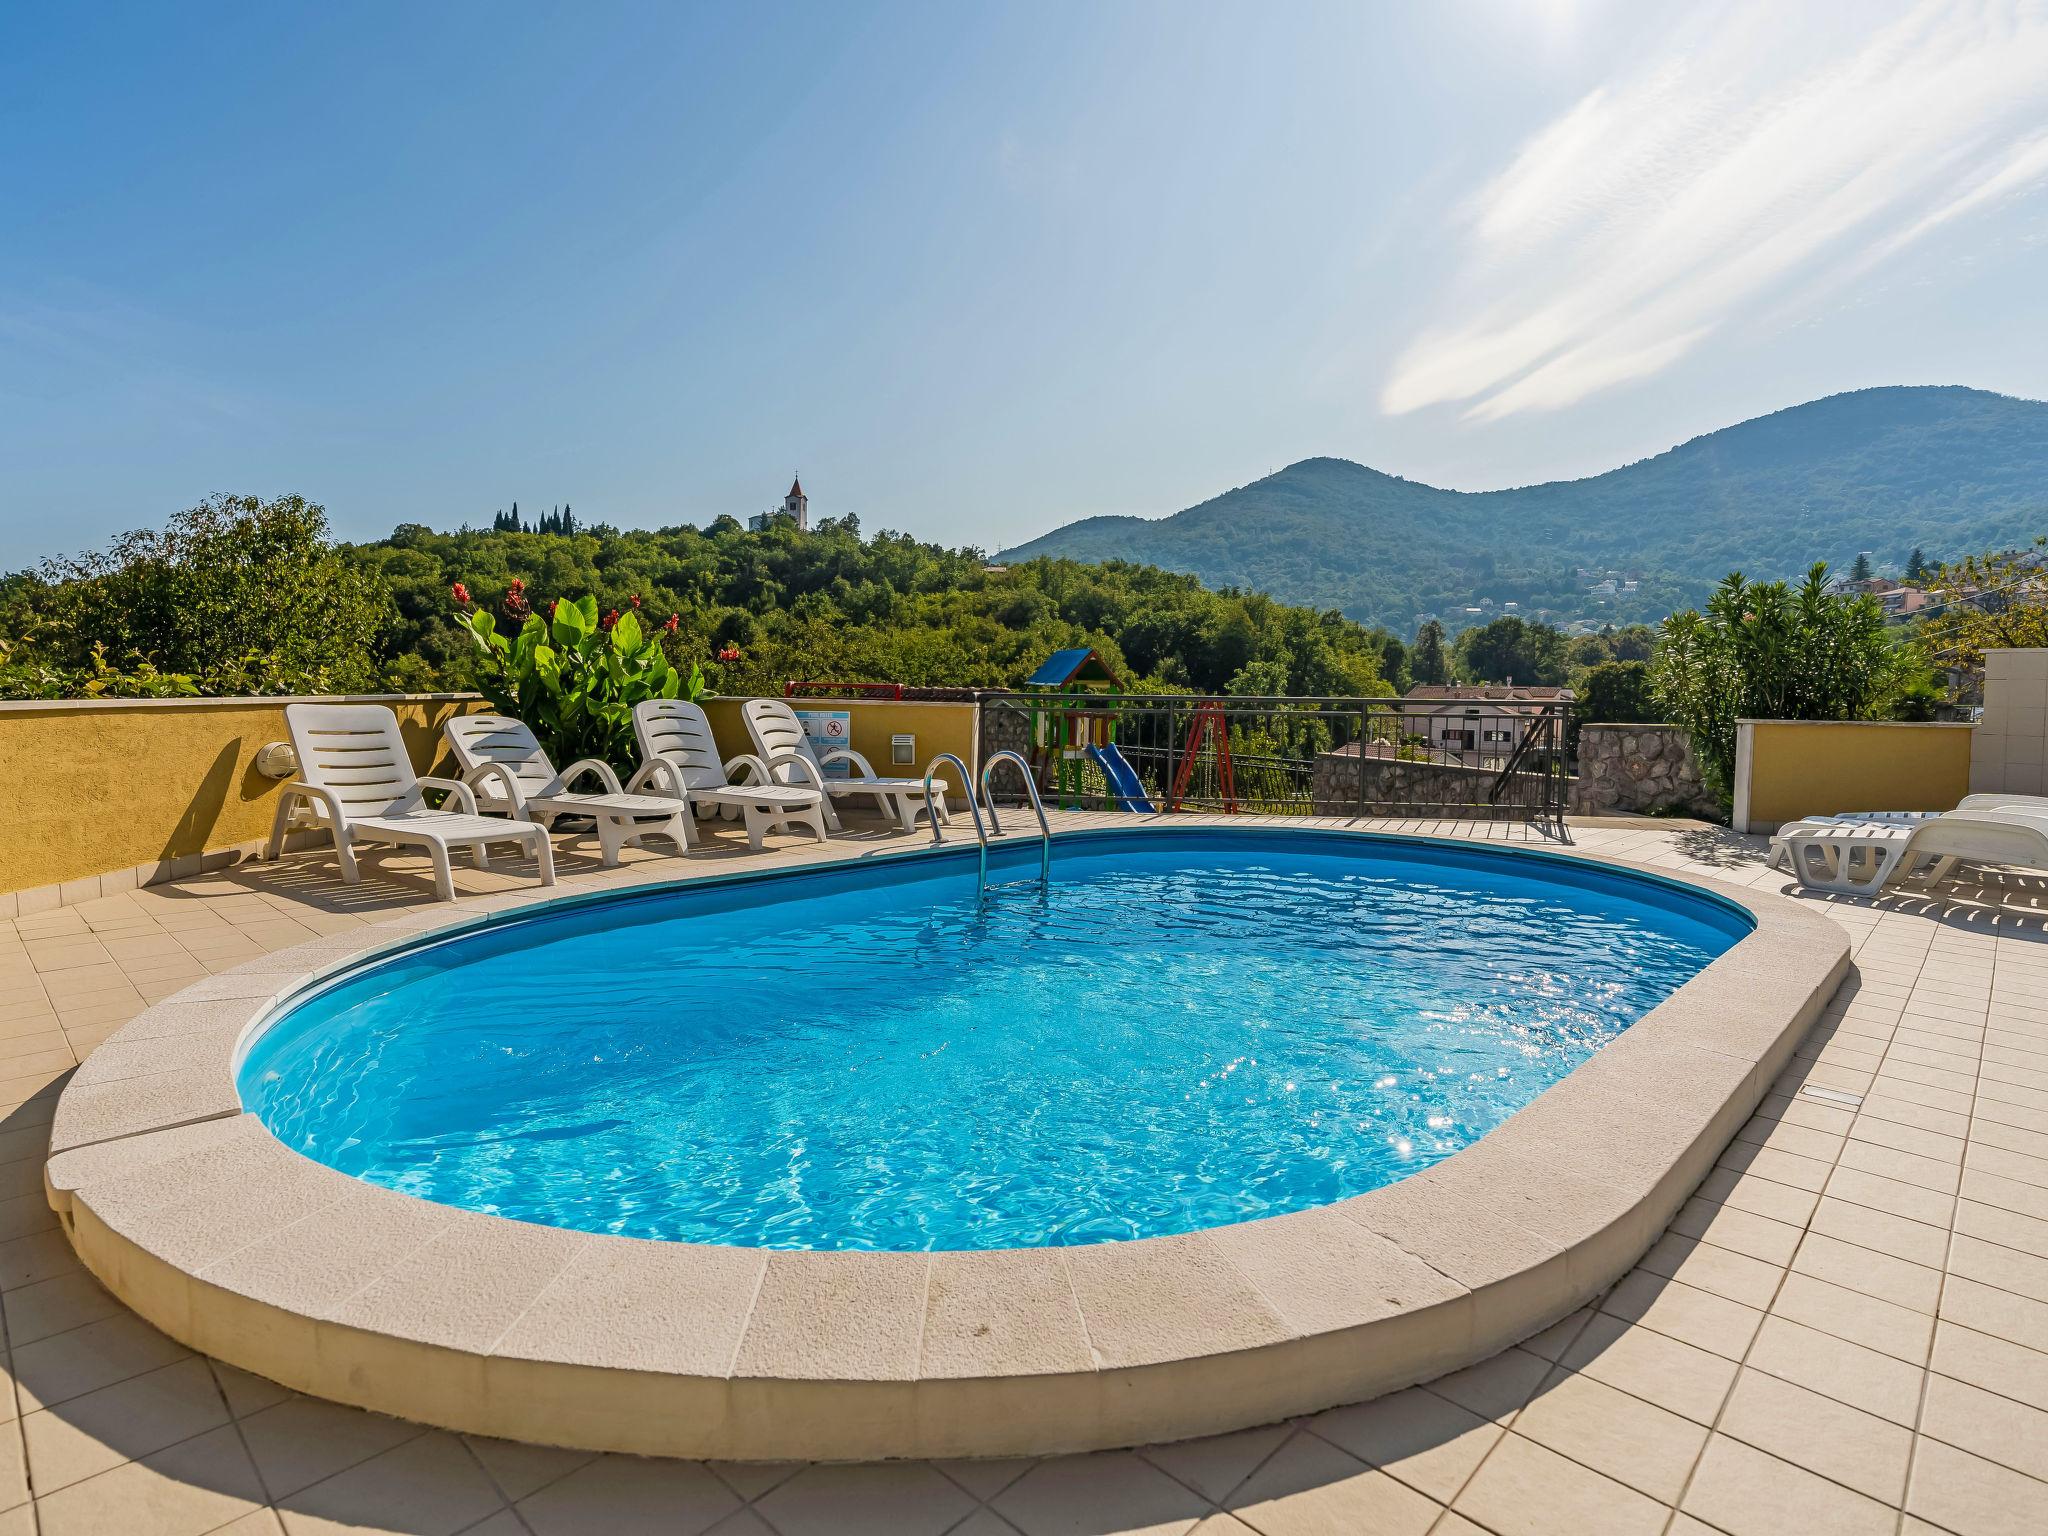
x=903, y=748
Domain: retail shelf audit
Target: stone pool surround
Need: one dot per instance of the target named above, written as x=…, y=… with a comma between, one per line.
x=190, y=1212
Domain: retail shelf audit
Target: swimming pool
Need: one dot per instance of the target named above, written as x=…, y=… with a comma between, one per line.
x=1188, y=1029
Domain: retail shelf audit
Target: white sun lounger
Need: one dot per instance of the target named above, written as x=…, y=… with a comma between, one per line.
x=1860, y=858
x=504, y=764
x=680, y=758
x=779, y=738
x=1781, y=856
x=354, y=773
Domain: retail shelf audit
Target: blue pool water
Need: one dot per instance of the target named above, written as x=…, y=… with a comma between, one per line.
x=1190, y=1029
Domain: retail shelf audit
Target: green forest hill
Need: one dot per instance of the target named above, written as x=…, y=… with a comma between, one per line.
x=245, y=596
x=1947, y=470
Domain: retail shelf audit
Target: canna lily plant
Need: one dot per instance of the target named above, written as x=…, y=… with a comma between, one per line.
x=574, y=678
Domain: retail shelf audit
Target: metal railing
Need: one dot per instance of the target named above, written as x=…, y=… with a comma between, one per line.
x=1324, y=756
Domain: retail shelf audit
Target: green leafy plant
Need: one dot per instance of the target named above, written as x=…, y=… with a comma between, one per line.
x=574, y=677
x=29, y=677
x=1768, y=651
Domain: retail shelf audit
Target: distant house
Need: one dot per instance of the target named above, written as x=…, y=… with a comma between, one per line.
x=795, y=508
x=1477, y=720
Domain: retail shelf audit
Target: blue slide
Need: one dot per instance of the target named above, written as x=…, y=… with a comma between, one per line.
x=1123, y=782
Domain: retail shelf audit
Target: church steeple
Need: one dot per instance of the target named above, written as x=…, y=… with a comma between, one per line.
x=797, y=505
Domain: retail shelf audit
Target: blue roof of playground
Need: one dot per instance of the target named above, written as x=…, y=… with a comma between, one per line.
x=1077, y=664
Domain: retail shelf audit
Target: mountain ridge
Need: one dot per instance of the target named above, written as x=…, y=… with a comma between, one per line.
x=1945, y=468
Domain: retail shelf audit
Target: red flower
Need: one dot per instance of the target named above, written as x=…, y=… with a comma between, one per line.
x=461, y=593
x=730, y=653
x=674, y=622
x=634, y=599
x=611, y=618
x=514, y=587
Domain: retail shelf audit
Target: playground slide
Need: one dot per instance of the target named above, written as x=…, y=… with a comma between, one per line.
x=1123, y=781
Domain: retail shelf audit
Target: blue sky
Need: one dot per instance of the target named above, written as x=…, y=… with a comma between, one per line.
x=976, y=270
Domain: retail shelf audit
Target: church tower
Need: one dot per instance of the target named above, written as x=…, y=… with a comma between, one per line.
x=797, y=505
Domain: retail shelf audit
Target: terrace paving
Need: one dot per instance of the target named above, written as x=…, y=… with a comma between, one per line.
x=1845, y=1330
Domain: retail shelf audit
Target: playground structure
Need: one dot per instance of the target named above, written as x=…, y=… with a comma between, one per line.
x=1075, y=724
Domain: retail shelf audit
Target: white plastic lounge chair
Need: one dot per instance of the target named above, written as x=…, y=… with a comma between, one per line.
x=1781, y=840
x=1861, y=858
x=354, y=772
x=680, y=758
x=504, y=764
x=779, y=738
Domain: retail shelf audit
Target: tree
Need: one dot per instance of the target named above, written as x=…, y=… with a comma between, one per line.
x=240, y=594
x=1617, y=692
x=1427, y=662
x=1987, y=603
x=1765, y=651
x=1860, y=571
x=1512, y=649
x=1916, y=567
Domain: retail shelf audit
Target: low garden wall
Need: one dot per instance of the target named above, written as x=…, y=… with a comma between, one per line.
x=1396, y=782
x=1786, y=769
x=1639, y=769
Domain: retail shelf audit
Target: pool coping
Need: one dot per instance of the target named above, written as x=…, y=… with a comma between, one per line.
x=197, y=1218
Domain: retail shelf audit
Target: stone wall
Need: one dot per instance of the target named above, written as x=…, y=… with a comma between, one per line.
x=1393, y=785
x=1639, y=768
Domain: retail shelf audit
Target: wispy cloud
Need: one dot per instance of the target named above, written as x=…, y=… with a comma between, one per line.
x=1750, y=152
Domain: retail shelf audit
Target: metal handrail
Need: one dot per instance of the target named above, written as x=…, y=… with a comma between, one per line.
x=1038, y=805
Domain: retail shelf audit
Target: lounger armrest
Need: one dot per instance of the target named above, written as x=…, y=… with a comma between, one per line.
x=867, y=769
x=462, y=794
x=753, y=765
x=660, y=772
x=483, y=773
x=800, y=761
x=583, y=765
x=337, y=818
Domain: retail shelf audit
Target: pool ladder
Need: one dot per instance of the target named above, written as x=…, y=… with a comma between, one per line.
x=995, y=825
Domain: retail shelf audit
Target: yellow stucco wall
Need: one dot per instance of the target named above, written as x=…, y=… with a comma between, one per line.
x=100, y=787
x=111, y=785
x=938, y=727
x=1796, y=768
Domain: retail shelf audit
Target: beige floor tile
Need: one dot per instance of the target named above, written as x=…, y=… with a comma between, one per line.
x=192, y=1487
x=1880, y=1231
x=1812, y=1431
x=1745, y=1232
x=1691, y=1316
x=39, y=1256
x=630, y=1496
x=1744, y=1492
x=1913, y=1286
x=247, y=1394
x=1851, y=1315
x=1986, y=1308
x=1969, y=1495
x=1707, y=1267
x=1111, y=1492
x=1634, y=1442
x=1987, y=1425
x=1525, y=1489
x=302, y=1441
x=1915, y=1203
x=1994, y=1264
x=1212, y=1466
x=519, y=1469
x=1991, y=1363
x=1426, y=1441
x=429, y=1486
x=14, y=1474
x=2004, y=1194
x=1494, y=1389
x=1310, y=1488
x=1875, y=1382
x=55, y=1306
x=67, y=1365
x=125, y=1422
x=1681, y=1377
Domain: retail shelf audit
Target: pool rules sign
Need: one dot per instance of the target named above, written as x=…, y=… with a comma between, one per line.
x=829, y=731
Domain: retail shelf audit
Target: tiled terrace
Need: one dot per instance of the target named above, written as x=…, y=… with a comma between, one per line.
x=1846, y=1330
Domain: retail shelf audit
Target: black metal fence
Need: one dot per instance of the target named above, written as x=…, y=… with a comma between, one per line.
x=1466, y=759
